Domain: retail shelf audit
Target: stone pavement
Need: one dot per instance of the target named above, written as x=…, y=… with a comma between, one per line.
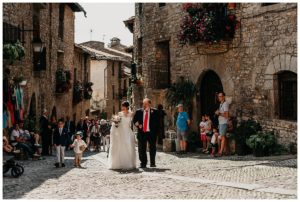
x=191, y=176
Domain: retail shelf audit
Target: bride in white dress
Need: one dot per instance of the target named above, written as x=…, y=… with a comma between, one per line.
x=122, y=153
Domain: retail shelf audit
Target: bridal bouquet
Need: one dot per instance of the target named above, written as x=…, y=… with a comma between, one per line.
x=116, y=119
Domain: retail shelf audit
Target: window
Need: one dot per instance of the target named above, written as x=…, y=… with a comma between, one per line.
x=161, y=4
x=113, y=69
x=61, y=21
x=114, y=110
x=162, y=67
x=39, y=60
x=11, y=34
x=268, y=4
x=287, y=87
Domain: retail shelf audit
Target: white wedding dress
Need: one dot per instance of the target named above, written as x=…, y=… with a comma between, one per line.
x=122, y=153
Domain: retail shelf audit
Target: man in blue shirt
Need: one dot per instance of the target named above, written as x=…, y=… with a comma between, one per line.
x=182, y=124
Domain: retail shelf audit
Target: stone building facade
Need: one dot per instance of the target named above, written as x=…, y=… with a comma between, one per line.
x=257, y=70
x=53, y=25
x=110, y=75
x=82, y=70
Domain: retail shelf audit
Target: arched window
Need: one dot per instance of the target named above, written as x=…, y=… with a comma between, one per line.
x=287, y=93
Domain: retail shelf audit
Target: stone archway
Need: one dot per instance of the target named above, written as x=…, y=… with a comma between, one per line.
x=208, y=85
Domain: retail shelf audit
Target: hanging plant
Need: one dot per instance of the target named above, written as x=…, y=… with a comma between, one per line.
x=78, y=92
x=63, y=80
x=13, y=52
x=183, y=91
x=207, y=22
x=88, y=91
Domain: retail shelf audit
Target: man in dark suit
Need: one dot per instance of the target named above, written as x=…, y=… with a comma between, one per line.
x=45, y=132
x=146, y=120
x=60, y=140
x=70, y=127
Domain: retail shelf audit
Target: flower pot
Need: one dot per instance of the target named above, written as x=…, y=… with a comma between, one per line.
x=241, y=149
x=231, y=6
x=258, y=152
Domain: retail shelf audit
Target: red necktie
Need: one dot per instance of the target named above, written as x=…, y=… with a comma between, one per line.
x=146, y=122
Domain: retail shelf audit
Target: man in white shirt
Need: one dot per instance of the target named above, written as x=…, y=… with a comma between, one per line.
x=223, y=113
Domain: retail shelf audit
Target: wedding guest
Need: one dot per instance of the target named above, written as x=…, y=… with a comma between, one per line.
x=53, y=124
x=208, y=131
x=214, y=142
x=70, y=127
x=223, y=114
x=45, y=131
x=161, y=130
x=182, y=123
x=203, y=134
x=19, y=142
x=78, y=146
x=60, y=140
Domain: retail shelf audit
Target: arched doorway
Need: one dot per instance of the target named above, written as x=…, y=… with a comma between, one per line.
x=209, y=85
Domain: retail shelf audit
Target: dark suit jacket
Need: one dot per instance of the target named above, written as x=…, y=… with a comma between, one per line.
x=44, y=125
x=72, y=126
x=60, y=139
x=154, y=120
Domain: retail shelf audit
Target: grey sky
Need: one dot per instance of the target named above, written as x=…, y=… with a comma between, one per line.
x=104, y=19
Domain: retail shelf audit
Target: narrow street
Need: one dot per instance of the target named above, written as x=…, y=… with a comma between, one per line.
x=191, y=176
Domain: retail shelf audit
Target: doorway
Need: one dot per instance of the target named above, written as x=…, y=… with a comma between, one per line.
x=208, y=87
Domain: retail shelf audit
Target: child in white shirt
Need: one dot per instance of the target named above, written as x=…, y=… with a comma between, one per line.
x=203, y=134
x=78, y=146
x=214, y=142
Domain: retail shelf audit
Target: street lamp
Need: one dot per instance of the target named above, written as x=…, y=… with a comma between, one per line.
x=37, y=45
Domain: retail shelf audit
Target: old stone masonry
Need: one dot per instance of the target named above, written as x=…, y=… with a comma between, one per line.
x=190, y=176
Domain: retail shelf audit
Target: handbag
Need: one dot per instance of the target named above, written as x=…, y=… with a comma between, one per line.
x=82, y=148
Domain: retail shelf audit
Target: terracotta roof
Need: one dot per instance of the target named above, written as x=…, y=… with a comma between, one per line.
x=103, y=55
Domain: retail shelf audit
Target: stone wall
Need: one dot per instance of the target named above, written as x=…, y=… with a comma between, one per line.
x=265, y=44
x=41, y=85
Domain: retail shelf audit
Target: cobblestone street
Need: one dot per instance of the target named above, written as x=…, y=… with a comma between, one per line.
x=191, y=176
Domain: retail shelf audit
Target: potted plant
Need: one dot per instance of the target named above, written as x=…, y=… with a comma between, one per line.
x=88, y=91
x=243, y=132
x=261, y=143
x=13, y=52
x=293, y=148
x=183, y=91
x=77, y=92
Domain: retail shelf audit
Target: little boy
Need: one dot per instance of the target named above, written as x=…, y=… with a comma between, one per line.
x=202, y=133
x=214, y=141
x=79, y=146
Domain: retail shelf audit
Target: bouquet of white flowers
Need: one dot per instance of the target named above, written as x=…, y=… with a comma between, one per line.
x=116, y=119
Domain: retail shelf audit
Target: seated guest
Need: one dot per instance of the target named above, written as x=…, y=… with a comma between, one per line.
x=6, y=146
x=19, y=142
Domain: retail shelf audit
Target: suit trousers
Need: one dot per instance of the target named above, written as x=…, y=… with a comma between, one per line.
x=143, y=139
x=60, y=154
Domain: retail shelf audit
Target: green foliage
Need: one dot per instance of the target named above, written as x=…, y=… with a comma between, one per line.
x=246, y=129
x=78, y=92
x=13, y=52
x=30, y=124
x=292, y=148
x=261, y=140
x=207, y=22
x=63, y=80
x=183, y=91
x=87, y=90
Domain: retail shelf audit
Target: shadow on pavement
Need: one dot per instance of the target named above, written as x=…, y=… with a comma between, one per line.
x=36, y=173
